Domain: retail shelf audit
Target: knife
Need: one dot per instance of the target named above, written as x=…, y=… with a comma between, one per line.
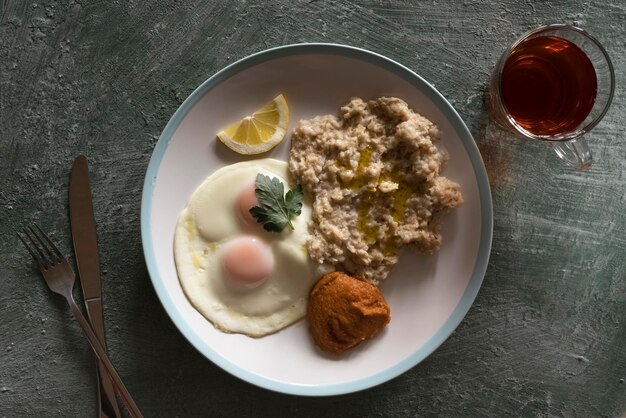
x=83, y=226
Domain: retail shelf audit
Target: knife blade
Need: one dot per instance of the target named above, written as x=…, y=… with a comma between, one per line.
x=83, y=226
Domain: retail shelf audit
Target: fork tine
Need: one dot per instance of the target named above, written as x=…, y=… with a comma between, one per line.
x=37, y=258
x=57, y=252
x=42, y=247
x=43, y=260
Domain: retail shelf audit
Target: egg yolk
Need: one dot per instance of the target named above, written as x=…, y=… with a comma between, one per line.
x=245, y=201
x=247, y=261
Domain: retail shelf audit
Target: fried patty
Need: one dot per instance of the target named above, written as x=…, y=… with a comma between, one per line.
x=344, y=310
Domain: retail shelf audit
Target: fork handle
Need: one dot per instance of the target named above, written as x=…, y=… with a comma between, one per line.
x=102, y=355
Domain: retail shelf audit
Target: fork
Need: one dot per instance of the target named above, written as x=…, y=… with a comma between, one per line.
x=60, y=277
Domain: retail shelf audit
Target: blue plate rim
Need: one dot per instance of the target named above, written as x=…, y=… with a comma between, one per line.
x=486, y=211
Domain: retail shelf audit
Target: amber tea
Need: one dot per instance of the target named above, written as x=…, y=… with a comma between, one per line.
x=548, y=85
x=553, y=84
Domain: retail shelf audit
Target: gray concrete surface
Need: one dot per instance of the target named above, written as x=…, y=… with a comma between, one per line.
x=547, y=333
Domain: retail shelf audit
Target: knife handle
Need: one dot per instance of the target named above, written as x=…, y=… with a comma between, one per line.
x=102, y=355
x=107, y=401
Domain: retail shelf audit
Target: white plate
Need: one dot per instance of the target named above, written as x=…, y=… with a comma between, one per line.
x=428, y=296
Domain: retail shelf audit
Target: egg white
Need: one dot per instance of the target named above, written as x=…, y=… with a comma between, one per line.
x=208, y=222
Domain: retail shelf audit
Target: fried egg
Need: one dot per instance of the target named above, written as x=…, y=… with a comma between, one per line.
x=240, y=277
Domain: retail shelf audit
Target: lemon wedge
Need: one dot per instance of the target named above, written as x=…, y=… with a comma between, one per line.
x=261, y=131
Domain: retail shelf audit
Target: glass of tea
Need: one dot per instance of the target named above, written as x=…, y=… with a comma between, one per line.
x=554, y=84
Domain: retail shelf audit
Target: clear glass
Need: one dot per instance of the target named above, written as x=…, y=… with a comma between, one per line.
x=570, y=146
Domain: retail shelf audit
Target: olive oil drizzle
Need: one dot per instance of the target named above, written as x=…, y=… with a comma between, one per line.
x=366, y=225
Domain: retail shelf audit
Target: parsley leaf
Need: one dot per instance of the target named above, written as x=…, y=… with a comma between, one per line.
x=276, y=209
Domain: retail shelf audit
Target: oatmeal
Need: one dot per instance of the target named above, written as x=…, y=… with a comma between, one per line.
x=375, y=175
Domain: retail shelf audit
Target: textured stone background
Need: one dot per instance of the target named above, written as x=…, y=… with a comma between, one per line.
x=547, y=333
